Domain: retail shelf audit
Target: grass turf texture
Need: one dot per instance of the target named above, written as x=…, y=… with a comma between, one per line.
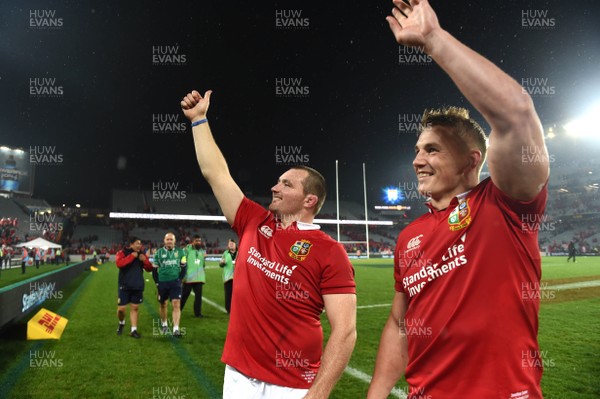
x=96, y=363
x=14, y=274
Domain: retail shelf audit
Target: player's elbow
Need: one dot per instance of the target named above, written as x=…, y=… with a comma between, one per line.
x=521, y=109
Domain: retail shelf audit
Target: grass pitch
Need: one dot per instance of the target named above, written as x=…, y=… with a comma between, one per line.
x=91, y=361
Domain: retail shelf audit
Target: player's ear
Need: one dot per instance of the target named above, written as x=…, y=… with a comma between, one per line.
x=311, y=200
x=474, y=159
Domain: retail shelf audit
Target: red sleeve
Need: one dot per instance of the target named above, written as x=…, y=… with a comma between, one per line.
x=520, y=212
x=147, y=265
x=123, y=260
x=338, y=274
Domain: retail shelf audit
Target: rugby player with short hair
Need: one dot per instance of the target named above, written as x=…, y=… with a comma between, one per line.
x=462, y=324
x=287, y=271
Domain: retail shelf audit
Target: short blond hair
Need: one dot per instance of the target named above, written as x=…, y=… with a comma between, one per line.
x=462, y=126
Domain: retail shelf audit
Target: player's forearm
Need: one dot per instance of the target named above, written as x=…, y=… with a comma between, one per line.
x=497, y=96
x=336, y=356
x=210, y=159
x=392, y=359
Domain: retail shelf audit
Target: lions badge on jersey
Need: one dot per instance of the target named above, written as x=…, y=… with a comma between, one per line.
x=460, y=216
x=299, y=251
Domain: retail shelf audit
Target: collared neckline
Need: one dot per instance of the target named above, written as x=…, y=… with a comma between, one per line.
x=453, y=202
x=307, y=226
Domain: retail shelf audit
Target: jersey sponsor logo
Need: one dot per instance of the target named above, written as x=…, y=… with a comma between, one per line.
x=414, y=243
x=460, y=216
x=266, y=231
x=299, y=251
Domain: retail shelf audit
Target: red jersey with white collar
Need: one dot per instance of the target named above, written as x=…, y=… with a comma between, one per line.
x=281, y=275
x=471, y=274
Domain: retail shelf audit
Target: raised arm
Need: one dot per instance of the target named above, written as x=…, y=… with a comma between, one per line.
x=341, y=313
x=505, y=105
x=392, y=356
x=212, y=163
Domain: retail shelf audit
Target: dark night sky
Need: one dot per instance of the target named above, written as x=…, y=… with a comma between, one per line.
x=102, y=56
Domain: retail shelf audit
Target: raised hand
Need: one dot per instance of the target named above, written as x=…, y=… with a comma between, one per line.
x=413, y=24
x=194, y=106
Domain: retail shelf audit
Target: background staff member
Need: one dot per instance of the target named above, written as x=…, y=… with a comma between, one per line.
x=228, y=264
x=131, y=263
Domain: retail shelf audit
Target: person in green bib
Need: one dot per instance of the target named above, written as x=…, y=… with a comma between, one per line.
x=228, y=265
x=195, y=276
x=170, y=264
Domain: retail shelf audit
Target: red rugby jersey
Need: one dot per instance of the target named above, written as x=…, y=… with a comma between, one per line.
x=471, y=274
x=280, y=276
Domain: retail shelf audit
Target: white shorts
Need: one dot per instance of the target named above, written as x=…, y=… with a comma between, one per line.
x=238, y=386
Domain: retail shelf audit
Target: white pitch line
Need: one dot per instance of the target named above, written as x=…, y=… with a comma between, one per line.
x=568, y=286
x=364, y=377
x=379, y=305
x=216, y=305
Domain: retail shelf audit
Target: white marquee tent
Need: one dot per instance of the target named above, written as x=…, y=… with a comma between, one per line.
x=39, y=243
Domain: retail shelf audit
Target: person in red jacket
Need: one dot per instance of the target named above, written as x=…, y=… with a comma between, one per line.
x=131, y=263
